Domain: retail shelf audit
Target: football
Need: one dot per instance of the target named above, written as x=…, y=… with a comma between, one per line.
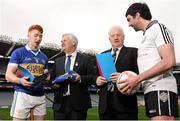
x=124, y=76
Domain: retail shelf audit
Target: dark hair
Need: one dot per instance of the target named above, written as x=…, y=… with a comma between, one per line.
x=141, y=8
x=35, y=27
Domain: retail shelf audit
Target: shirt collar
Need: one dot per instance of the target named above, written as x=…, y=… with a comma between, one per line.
x=72, y=54
x=117, y=48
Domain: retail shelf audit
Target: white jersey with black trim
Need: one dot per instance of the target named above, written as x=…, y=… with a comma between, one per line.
x=155, y=36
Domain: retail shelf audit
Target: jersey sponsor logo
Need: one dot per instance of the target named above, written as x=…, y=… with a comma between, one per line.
x=163, y=96
x=34, y=68
x=142, y=55
x=152, y=111
x=28, y=59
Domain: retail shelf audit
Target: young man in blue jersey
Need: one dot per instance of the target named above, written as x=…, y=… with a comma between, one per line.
x=156, y=58
x=28, y=95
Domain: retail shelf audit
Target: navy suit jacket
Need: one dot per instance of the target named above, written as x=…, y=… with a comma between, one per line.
x=79, y=94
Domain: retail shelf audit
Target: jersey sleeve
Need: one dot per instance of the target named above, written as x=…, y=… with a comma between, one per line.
x=15, y=57
x=163, y=35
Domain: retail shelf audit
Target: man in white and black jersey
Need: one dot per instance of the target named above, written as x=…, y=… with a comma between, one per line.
x=156, y=58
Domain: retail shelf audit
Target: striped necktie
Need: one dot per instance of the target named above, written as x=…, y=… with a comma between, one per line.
x=114, y=54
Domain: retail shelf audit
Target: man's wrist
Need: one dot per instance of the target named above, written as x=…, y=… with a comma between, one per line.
x=20, y=80
x=139, y=78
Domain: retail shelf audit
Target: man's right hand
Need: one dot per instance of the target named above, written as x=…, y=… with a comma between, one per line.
x=100, y=81
x=24, y=81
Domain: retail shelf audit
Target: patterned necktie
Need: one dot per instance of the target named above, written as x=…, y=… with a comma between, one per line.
x=110, y=86
x=114, y=54
x=67, y=69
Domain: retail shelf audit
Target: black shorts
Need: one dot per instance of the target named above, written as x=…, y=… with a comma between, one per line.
x=161, y=102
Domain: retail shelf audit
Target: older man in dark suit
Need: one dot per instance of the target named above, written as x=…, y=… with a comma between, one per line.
x=71, y=98
x=113, y=105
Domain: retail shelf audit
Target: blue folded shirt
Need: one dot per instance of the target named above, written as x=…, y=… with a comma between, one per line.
x=70, y=76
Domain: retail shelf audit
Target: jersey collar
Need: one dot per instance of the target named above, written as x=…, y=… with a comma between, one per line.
x=150, y=24
x=29, y=49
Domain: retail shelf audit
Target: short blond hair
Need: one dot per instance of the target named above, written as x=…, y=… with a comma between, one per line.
x=119, y=28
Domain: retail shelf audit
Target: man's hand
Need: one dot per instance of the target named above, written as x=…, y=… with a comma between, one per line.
x=55, y=86
x=78, y=77
x=100, y=81
x=24, y=81
x=114, y=77
x=130, y=83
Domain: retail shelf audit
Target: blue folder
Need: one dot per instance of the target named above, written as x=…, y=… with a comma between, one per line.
x=26, y=73
x=106, y=65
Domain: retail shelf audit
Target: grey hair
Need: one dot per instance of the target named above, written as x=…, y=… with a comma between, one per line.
x=116, y=27
x=73, y=38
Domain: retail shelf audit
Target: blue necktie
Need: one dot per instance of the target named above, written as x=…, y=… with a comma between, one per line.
x=67, y=69
x=68, y=64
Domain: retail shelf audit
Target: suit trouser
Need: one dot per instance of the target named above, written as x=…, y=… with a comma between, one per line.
x=118, y=116
x=111, y=112
x=67, y=113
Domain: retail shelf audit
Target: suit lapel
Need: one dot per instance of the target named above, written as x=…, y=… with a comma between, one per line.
x=77, y=62
x=122, y=53
x=61, y=64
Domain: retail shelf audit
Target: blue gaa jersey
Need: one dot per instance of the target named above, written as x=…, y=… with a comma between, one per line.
x=36, y=62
